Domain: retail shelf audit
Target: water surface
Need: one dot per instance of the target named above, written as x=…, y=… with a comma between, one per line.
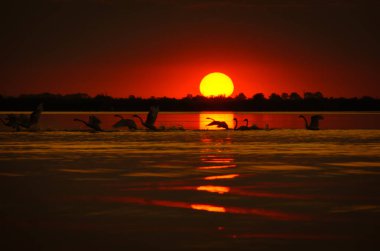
x=198, y=120
x=191, y=190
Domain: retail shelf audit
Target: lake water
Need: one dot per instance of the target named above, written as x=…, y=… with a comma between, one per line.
x=288, y=189
x=198, y=120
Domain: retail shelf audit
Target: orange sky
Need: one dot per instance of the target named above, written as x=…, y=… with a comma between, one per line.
x=164, y=48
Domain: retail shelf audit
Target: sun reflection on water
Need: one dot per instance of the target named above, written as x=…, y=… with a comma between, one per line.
x=214, y=189
x=215, y=209
x=273, y=214
x=217, y=167
x=221, y=177
x=218, y=160
x=226, y=117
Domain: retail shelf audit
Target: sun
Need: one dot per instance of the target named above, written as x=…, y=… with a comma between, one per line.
x=216, y=84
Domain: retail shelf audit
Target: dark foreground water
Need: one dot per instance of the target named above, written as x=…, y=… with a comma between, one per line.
x=190, y=190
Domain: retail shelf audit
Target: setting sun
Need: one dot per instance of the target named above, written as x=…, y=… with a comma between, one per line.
x=216, y=84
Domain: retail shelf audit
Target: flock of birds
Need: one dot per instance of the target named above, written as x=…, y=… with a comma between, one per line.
x=94, y=122
x=27, y=122
x=223, y=124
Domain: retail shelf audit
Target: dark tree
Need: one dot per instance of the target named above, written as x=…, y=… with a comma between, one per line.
x=258, y=97
x=293, y=102
x=285, y=96
x=240, y=97
x=295, y=96
x=274, y=97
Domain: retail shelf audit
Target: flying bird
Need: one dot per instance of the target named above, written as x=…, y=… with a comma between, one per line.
x=11, y=121
x=219, y=124
x=314, y=122
x=22, y=120
x=150, y=118
x=130, y=123
x=34, y=118
x=93, y=123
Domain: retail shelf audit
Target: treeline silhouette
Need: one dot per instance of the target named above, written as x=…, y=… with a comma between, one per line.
x=310, y=101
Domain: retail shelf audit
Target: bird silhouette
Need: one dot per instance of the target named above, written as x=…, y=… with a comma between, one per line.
x=253, y=126
x=130, y=123
x=241, y=128
x=150, y=118
x=34, y=118
x=219, y=124
x=93, y=123
x=314, y=122
x=11, y=121
x=22, y=120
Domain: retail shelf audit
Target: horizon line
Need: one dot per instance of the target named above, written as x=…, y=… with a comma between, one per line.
x=302, y=95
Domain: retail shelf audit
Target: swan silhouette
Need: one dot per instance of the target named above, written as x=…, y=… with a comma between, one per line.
x=150, y=118
x=93, y=123
x=22, y=120
x=11, y=121
x=314, y=122
x=241, y=128
x=253, y=126
x=130, y=123
x=219, y=124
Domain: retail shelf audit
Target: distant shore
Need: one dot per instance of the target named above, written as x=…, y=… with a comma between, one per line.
x=292, y=102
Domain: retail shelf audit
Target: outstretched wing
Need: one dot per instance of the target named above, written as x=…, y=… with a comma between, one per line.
x=222, y=124
x=94, y=120
x=214, y=122
x=35, y=116
x=12, y=118
x=23, y=120
x=152, y=115
x=119, y=123
x=125, y=122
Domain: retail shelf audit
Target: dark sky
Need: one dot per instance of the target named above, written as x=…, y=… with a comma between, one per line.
x=164, y=47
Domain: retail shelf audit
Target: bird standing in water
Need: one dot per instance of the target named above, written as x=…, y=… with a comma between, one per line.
x=241, y=128
x=314, y=122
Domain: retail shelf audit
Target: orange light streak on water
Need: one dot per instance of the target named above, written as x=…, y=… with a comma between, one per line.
x=214, y=189
x=217, y=160
x=209, y=208
x=272, y=195
x=220, y=177
x=216, y=167
x=275, y=215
